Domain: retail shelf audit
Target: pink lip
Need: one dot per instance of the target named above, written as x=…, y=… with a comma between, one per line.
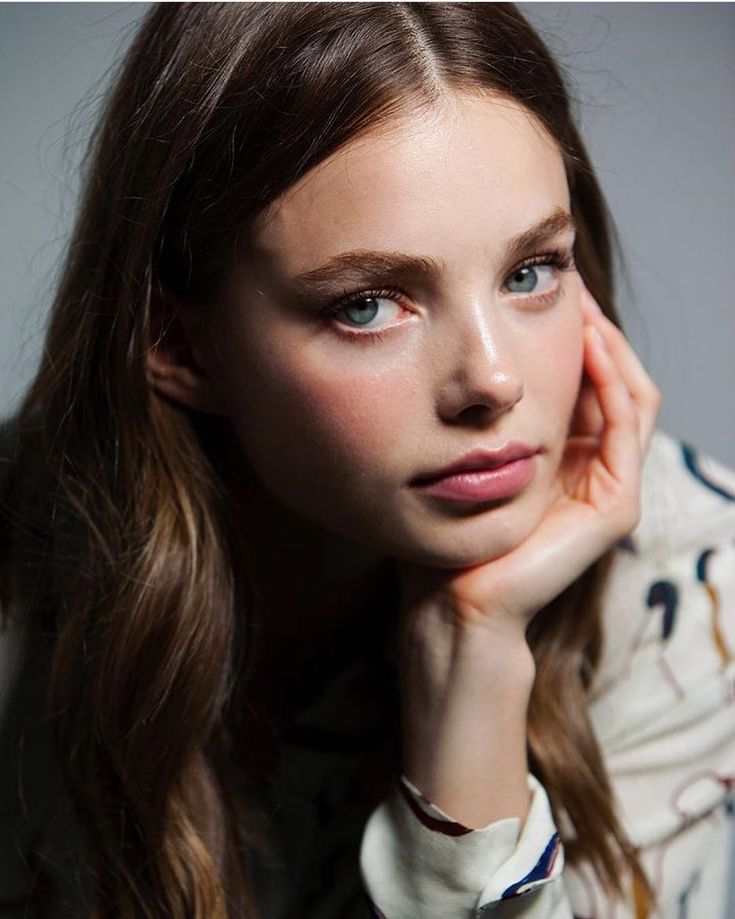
x=482, y=475
x=479, y=459
x=483, y=484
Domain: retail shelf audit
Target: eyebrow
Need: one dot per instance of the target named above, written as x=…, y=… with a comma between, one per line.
x=360, y=264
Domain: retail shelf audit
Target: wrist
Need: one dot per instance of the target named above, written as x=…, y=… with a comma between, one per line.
x=498, y=659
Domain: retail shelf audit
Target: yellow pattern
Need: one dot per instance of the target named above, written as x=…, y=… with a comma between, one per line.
x=719, y=639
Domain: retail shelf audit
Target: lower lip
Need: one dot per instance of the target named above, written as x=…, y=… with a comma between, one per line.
x=483, y=484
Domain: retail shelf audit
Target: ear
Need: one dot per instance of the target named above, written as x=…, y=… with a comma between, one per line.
x=176, y=360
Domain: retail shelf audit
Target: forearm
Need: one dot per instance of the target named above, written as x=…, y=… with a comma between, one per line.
x=464, y=708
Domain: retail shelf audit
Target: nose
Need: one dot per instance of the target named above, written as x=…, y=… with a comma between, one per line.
x=483, y=380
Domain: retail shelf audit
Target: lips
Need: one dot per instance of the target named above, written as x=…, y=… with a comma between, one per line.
x=479, y=459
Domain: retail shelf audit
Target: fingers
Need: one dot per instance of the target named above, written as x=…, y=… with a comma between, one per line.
x=619, y=445
x=642, y=391
x=587, y=420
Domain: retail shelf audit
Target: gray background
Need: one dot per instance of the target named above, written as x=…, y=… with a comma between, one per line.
x=655, y=89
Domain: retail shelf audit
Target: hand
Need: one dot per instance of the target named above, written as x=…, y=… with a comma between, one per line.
x=467, y=670
x=595, y=502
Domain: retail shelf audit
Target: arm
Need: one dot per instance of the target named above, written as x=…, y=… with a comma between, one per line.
x=467, y=671
x=464, y=703
x=500, y=842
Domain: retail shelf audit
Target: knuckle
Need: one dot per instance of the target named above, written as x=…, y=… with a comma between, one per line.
x=630, y=414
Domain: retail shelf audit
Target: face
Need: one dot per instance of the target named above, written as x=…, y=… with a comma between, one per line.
x=464, y=346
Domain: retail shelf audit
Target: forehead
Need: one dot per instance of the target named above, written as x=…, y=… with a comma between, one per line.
x=478, y=168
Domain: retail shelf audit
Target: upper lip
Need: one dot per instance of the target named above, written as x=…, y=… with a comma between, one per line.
x=480, y=459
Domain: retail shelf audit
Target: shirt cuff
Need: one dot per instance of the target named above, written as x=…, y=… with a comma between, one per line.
x=416, y=860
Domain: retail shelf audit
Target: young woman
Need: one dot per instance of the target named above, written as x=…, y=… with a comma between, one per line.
x=351, y=575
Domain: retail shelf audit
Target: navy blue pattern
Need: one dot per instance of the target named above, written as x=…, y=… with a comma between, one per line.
x=542, y=869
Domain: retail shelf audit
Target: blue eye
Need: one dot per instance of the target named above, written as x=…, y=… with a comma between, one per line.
x=363, y=314
x=365, y=306
x=528, y=279
x=361, y=309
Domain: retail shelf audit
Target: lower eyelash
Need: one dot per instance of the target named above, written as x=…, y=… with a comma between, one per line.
x=369, y=335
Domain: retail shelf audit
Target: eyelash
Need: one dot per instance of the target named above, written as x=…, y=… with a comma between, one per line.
x=559, y=259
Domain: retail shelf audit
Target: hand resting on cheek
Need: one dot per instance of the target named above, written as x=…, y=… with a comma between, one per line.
x=467, y=669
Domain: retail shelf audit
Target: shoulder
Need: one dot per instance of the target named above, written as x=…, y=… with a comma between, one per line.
x=669, y=604
x=663, y=696
x=679, y=561
x=687, y=499
x=677, y=565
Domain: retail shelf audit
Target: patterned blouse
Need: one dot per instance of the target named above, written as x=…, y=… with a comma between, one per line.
x=349, y=837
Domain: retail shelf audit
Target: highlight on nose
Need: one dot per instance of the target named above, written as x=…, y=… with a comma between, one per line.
x=480, y=382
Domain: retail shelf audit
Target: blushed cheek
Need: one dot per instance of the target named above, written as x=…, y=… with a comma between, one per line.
x=356, y=416
x=313, y=420
x=566, y=367
x=552, y=368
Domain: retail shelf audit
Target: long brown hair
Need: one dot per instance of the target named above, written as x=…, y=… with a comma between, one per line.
x=127, y=564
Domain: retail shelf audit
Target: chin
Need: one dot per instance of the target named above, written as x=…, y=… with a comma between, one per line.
x=472, y=541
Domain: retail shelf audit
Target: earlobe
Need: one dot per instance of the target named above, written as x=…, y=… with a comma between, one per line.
x=176, y=368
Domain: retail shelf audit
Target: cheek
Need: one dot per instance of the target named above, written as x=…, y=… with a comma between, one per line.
x=558, y=370
x=355, y=416
x=317, y=418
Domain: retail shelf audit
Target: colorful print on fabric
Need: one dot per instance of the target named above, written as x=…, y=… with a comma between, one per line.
x=718, y=636
x=540, y=871
x=664, y=593
x=691, y=459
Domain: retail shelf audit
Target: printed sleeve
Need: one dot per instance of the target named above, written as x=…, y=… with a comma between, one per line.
x=419, y=863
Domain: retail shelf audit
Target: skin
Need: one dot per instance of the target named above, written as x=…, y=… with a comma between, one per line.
x=333, y=428
x=465, y=363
